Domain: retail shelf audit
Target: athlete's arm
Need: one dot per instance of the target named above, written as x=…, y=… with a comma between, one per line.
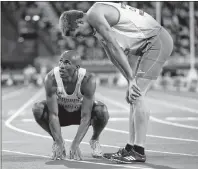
x=88, y=89
x=52, y=104
x=111, y=58
x=99, y=22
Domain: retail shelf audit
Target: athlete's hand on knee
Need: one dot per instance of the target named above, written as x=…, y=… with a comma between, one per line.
x=133, y=92
x=59, y=151
x=75, y=153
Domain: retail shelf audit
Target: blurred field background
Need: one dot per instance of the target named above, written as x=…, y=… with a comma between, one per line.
x=31, y=43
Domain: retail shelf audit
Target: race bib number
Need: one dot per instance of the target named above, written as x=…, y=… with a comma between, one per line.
x=124, y=6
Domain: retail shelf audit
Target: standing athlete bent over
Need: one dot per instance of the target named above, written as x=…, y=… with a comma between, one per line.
x=138, y=46
x=70, y=100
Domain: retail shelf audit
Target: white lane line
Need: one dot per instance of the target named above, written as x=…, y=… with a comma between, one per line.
x=28, y=120
x=119, y=119
x=154, y=136
x=113, y=119
x=168, y=104
x=105, y=145
x=183, y=97
x=86, y=162
x=118, y=104
x=29, y=154
x=13, y=142
x=172, y=124
x=12, y=94
x=29, y=102
x=181, y=154
x=182, y=118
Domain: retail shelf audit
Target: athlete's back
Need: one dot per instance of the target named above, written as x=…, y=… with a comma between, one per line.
x=133, y=22
x=133, y=27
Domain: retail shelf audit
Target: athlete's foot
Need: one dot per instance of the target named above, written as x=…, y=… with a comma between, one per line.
x=96, y=148
x=115, y=154
x=128, y=157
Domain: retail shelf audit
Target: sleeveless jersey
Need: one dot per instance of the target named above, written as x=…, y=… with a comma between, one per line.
x=133, y=27
x=71, y=102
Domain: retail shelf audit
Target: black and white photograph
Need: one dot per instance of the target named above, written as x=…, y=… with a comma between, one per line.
x=99, y=84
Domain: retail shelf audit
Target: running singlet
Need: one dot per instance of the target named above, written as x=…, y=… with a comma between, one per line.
x=71, y=102
x=133, y=27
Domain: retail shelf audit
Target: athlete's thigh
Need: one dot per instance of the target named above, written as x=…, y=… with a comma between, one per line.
x=154, y=59
x=144, y=85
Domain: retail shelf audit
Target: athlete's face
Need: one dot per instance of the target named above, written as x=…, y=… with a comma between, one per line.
x=66, y=69
x=82, y=30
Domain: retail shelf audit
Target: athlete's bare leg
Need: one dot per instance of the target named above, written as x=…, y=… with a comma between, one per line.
x=140, y=115
x=160, y=51
x=41, y=117
x=99, y=120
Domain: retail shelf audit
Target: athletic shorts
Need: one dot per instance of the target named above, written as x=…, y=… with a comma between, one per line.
x=69, y=118
x=153, y=56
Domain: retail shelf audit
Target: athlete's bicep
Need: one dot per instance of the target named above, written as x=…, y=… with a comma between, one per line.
x=51, y=97
x=88, y=97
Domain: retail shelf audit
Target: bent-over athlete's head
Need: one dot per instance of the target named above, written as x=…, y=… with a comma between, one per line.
x=68, y=64
x=74, y=23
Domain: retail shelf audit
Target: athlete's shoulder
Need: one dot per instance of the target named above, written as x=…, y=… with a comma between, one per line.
x=88, y=85
x=50, y=80
x=94, y=11
x=89, y=77
x=94, y=7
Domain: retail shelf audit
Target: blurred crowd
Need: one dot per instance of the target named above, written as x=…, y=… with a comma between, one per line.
x=28, y=76
x=174, y=17
x=30, y=29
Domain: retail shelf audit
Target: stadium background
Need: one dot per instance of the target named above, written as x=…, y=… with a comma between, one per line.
x=30, y=46
x=30, y=36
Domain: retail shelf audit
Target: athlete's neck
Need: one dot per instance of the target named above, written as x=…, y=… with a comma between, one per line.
x=85, y=19
x=72, y=79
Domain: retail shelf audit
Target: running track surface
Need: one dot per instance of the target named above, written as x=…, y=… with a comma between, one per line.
x=172, y=139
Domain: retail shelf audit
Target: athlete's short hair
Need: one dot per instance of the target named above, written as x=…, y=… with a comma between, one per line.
x=67, y=20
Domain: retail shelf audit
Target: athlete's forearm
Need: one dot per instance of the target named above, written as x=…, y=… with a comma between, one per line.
x=118, y=55
x=113, y=60
x=82, y=130
x=55, y=128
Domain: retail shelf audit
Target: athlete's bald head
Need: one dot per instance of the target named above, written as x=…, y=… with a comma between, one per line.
x=71, y=55
x=69, y=63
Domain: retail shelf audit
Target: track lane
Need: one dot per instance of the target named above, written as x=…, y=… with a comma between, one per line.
x=155, y=160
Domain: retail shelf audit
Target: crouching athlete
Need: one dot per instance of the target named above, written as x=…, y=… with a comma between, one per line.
x=69, y=101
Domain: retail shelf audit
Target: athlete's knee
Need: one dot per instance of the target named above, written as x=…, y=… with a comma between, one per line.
x=37, y=110
x=142, y=111
x=101, y=112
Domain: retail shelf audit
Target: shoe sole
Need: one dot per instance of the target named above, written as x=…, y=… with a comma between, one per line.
x=106, y=158
x=125, y=162
x=96, y=156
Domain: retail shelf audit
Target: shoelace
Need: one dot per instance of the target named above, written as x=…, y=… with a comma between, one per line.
x=96, y=146
x=121, y=152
